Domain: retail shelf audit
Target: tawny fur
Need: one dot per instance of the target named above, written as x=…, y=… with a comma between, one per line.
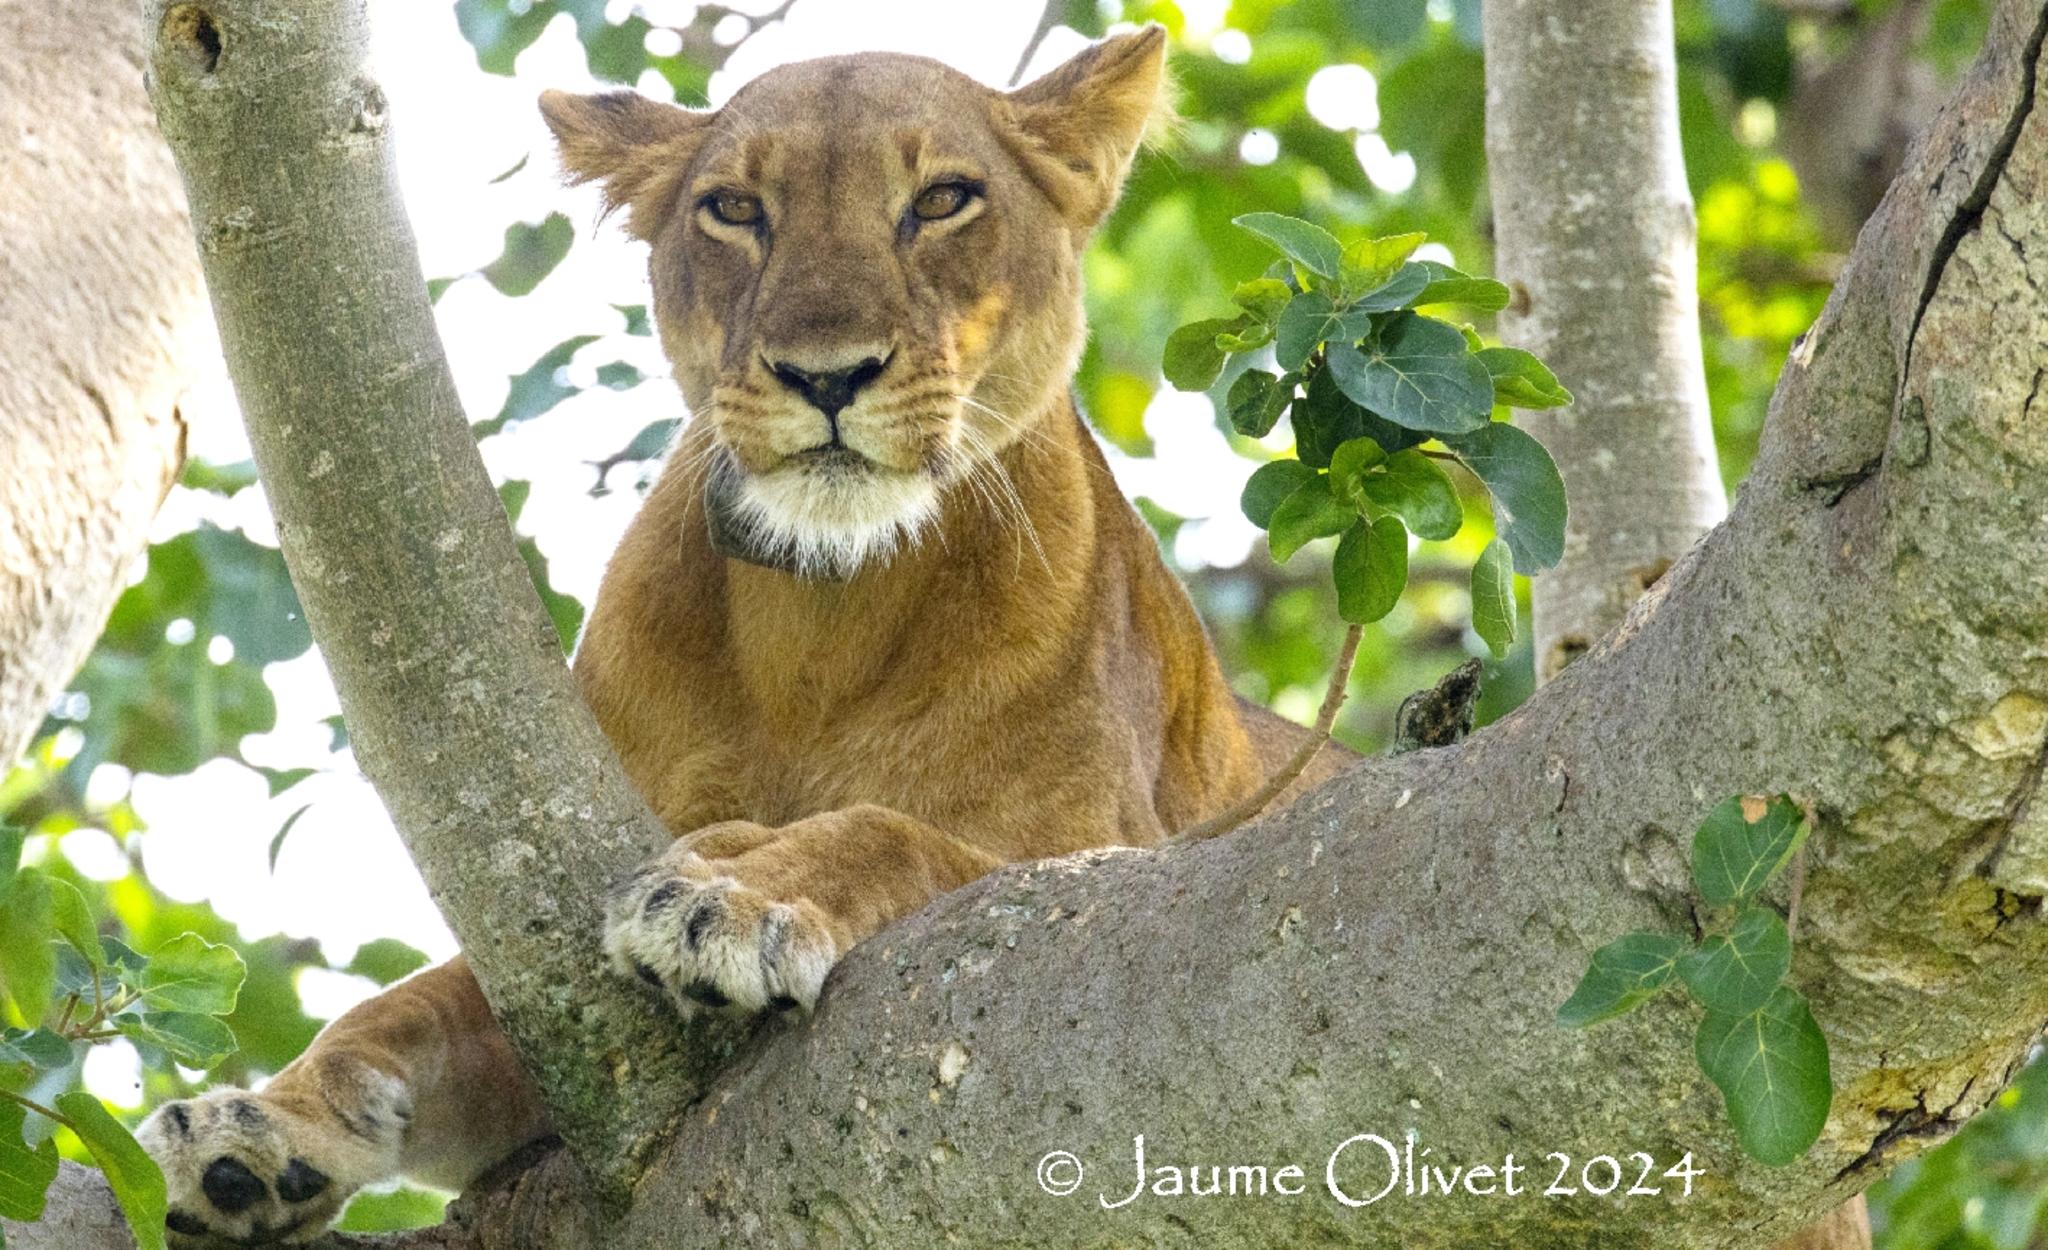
x=988, y=662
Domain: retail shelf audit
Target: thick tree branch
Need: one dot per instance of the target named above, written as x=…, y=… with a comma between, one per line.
x=1596, y=234
x=101, y=322
x=458, y=703
x=1867, y=632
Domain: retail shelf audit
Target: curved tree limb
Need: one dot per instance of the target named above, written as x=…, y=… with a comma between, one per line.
x=1869, y=631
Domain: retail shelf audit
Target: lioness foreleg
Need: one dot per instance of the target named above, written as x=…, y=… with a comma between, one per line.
x=744, y=916
x=416, y=1082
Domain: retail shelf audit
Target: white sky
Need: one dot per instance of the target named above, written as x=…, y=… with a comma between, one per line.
x=343, y=876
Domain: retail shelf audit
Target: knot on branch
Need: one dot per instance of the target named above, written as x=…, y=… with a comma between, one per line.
x=189, y=33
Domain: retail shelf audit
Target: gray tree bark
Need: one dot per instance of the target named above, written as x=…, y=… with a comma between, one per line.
x=101, y=317
x=1868, y=631
x=1595, y=234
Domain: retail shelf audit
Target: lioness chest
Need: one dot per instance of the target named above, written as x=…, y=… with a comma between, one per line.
x=1030, y=704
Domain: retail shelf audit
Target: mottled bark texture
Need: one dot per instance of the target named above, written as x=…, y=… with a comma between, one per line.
x=1868, y=631
x=459, y=705
x=101, y=316
x=1596, y=236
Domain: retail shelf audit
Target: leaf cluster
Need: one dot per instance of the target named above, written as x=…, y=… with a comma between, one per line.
x=1380, y=395
x=1757, y=1041
x=68, y=988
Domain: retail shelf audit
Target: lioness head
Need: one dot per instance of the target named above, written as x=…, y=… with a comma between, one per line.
x=865, y=274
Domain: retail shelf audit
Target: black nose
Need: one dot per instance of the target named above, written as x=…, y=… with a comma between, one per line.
x=828, y=391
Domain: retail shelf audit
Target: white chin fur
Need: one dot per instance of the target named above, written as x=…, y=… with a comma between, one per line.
x=830, y=524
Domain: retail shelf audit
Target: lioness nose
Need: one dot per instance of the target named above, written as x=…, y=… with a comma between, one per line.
x=828, y=390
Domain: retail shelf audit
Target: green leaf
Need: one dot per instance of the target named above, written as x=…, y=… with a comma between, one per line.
x=1269, y=485
x=1521, y=379
x=1192, y=361
x=532, y=250
x=1325, y=418
x=1371, y=569
x=71, y=916
x=1493, y=598
x=1264, y=298
x=1398, y=291
x=1311, y=512
x=1372, y=263
x=1741, y=844
x=28, y=963
x=1412, y=487
x=1418, y=374
x=1528, y=493
x=1353, y=459
x=385, y=960
x=282, y=779
x=11, y=839
x=535, y=391
x=1771, y=1066
x=25, y=1174
x=1310, y=246
x=33, y=1048
x=137, y=1183
x=1254, y=335
x=1736, y=973
x=189, y=973
x=195, y=1040
x=1621, y=976
x=1312, y=318
x=1256, y=401
x=1449, y=286
x=283, y=831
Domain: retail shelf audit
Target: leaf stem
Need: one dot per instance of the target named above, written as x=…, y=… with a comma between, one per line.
x=1319, y=734
x=1798, y=889
x=38, y=1108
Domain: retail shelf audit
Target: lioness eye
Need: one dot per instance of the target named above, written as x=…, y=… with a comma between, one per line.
x=734, y=208
x=942, y=200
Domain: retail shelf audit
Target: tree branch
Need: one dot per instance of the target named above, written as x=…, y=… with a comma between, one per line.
x=458, y=703
x=103, y=323
x=1048, y=18
x=1384, y=956
x=1595, y=232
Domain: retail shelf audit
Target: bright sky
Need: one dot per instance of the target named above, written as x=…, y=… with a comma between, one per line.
x=343, y=877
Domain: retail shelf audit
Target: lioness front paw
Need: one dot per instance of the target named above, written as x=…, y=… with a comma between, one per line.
x=248, y=1170
x=700, y=931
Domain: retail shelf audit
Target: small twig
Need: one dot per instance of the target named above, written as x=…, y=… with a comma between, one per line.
x=1046, y=21
x=1304, y=755
x=37, y=1107
x=1798, y=889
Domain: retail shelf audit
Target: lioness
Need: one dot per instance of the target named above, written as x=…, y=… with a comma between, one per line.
x=883, y=625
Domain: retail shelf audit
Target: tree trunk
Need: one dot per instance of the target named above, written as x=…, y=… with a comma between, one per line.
x=1384, y=957
x=459, y=705
x=101, y=315
x=1596, y=236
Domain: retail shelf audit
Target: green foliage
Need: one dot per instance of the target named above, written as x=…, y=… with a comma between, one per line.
x=1771, y=1066
x=1741, y=845
x=1377, y=393
x=531, y=253
x=1986, y=1189
x=70, y=988
x=137, y=1182
x=1623, y=975
x=1757, y=1041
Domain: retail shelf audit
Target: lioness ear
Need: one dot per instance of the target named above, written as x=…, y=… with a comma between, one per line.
x=637, y=148
x=1083, y=122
